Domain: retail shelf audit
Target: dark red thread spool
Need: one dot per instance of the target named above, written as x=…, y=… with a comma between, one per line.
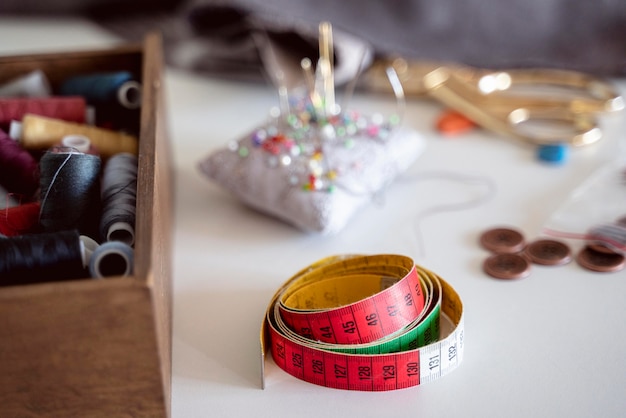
x=19, y=170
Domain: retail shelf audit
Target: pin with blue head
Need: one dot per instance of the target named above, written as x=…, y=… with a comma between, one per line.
x=555, y=154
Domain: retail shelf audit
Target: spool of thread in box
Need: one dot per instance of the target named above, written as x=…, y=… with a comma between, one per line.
x=119, y=198
x=19, y=170
x=35, y=258
x=39, y=132
x=33, y=84
x=70, y=109
x=7, y=200
x=70, y=191
x=113, y=258
x=105, y=87
x=19, y=220
x=117, y=118
x=79, y=143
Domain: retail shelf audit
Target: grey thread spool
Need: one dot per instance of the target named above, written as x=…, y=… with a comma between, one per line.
x=119, y=199
x=70, y=191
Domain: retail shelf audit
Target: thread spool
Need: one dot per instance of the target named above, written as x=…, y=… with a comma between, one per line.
x=129, y=95
x=19, y=170
x=79, y=143
x=87, y=248
x=112, y=258
x=19, y=220
x=44, y=257
x=71, y=109
x=105, y=87
x=15, y=130
x=33, y=84
x=70, y=191
x=118, y=118
x=39, y=132
x=119, y=198
x=7, y=200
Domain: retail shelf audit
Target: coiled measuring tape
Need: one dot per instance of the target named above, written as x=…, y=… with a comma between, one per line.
x=368, y=323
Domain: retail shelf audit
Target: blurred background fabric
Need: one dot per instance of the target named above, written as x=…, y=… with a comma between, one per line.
x=222, y=37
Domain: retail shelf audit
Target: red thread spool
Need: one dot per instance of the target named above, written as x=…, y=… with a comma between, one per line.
x=19, y=170
x=19, y=220
x=71, y=109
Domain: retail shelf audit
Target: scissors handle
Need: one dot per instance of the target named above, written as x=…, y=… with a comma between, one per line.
x=527, y=104
x=533, y=87
x=541, y=88
x=511, y=121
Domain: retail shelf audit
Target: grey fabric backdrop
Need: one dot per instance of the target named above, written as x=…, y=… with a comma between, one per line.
x=215, y=35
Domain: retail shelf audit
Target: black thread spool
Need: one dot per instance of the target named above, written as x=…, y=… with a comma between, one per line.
x=70, y=191
x=45, y=257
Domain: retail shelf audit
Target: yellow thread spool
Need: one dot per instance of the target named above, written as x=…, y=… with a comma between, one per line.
x=40, y=132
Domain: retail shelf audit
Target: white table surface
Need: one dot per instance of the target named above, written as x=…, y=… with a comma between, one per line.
x=552, y=344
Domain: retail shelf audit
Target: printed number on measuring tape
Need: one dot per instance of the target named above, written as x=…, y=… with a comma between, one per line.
x=369, y=323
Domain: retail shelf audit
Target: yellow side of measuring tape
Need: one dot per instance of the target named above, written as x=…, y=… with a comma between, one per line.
x=323, y=325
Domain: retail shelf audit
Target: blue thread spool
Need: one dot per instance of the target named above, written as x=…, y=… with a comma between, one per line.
x=553, y=153
x=105, y=87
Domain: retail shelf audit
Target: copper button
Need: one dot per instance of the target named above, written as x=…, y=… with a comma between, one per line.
x=599, y=247
x=507, y=266
x=503, y=240
x=548, y=252
x=603, y=262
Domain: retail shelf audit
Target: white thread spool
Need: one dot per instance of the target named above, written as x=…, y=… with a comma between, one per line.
x=33, y=84
x=6, y=199
x=15, y=130
x=79, y=142
x=87, y=248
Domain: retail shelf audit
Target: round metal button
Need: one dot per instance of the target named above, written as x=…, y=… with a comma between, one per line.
x=548, y=252
x=603, y=262
x=600, y=248
x=503, y=240
x=507, y=266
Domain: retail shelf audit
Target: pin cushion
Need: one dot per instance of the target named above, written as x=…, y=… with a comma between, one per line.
x=312, y=170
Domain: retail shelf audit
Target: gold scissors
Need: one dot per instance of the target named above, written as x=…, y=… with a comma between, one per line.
x=536, y=106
